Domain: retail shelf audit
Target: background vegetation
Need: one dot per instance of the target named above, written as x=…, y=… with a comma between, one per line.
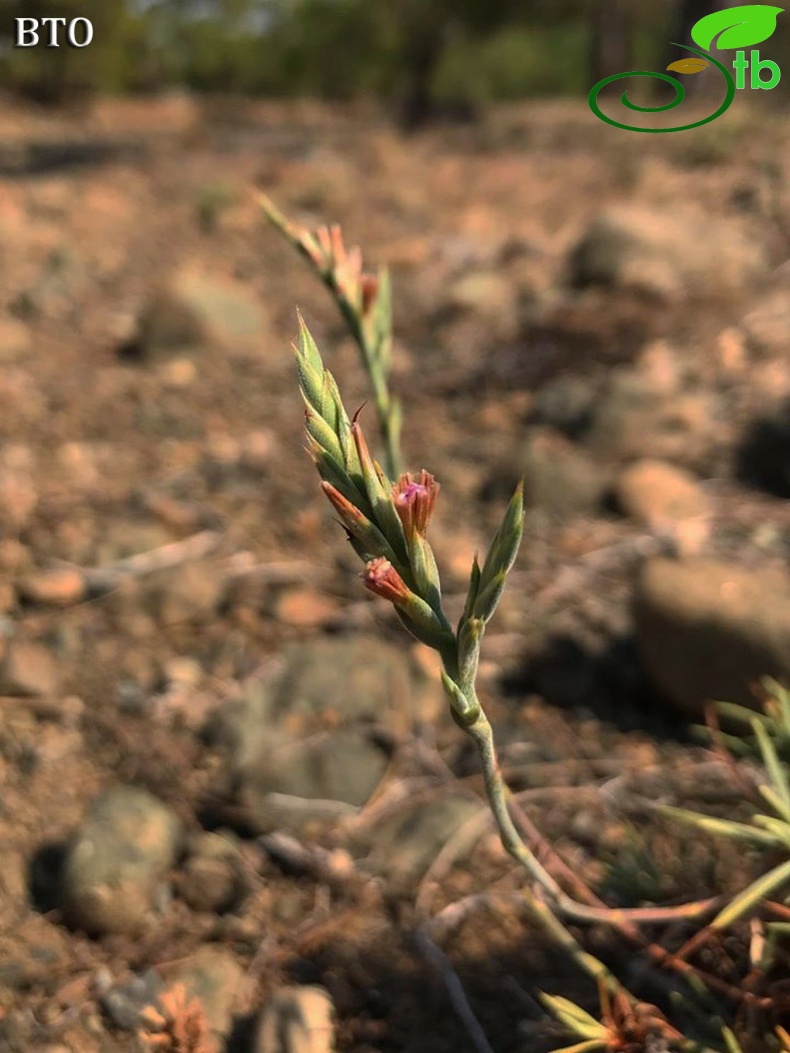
x=419, y=56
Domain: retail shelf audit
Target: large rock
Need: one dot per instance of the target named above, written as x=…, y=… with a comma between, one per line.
x=659, y=494
x=297, y=1020
x=633, y=419
x=193, y=310
x=670, y=254
x=709, y=631
x=292, y=782
x=117, y=860
x=302, y=738
x=339, y=679
x=406, y=842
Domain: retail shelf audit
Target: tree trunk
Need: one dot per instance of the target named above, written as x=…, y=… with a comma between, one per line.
x=425, y=54
x=611, y=44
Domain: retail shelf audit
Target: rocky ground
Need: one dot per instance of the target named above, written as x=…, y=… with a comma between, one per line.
x=226, y=775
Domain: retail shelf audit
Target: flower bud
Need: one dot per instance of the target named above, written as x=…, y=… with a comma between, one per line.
x=381, y=577
x=421, y=621
x=369, y=287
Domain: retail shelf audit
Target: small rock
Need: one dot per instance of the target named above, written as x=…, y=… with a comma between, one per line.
x=297, y=1020
x=211, y=877
x=15, y=557
x=565, y=404
x=117, y=858
x=659, y=366
x=764, y=329
x=487, y=293
x=54, y=588
x=80, y=462
x=124, y=1004
x=730, y=351
x=181, y=671
x=8, y=597
x=16, y=340
x=659, y=494
x=305, y=608
x=257, y=449
x=214, y=977
x=178, y=374
x=709, y=631
x=186, y=595
x=18, y=500
x=182, y=517
x=28, y=670
x=559, y=477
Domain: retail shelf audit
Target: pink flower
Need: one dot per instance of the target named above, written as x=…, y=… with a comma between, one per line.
x=414, y=500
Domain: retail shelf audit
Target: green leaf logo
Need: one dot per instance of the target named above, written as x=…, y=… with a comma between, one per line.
x=737, y=27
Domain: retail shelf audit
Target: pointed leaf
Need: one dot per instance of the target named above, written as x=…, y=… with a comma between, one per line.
x=500, y=558
x=330, y=405
x=732, y=1043
x=688, y=65
x=308, y=347
x=318, y=428
x=712, y=825
x=776, y=770
x=471, y=592
x=741, y=714
x=574, y=1017
x=488, y=598
x=589, y=1045
x=310, y=384
x=736, y=27
x=781, y=696
x=752, y=896
x=778, y=827
x=426, y=574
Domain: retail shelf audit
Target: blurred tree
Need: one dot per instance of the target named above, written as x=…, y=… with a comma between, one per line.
x=420, y=54
x=56, y=74
x=612, y=28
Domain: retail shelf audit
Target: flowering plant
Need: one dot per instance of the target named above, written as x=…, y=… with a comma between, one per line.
x=386, y=516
